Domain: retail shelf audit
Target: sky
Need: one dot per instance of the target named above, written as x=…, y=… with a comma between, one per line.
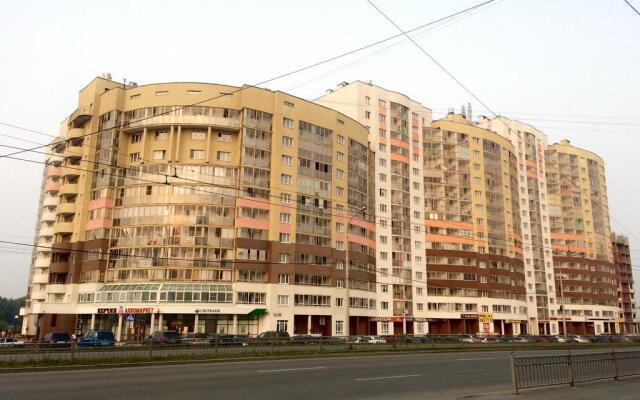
x=568, y=67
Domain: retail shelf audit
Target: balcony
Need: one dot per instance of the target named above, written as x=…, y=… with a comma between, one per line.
x=53, y=171
x=50, y=201
x=42, y=262
x=48, y=216
x=231, y=123
x=46, y=231
x=74, y=133
x=61, y=247
x=52, y=186
x=68, y=189
x=73, y=152
x=79, y=117
x=57, y=288
x=63, y=227
x=66, y=208
x=71, y=170
x=40, y=278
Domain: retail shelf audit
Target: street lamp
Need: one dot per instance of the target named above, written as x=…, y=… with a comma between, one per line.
x=15, y=324
x=347, y=281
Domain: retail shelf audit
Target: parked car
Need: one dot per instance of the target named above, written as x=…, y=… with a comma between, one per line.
x=228, y=340
x=521, y=339
x=194, y=338
x=10, y=342
x=469, y=339
x=281, y=337
x=56, y=340
x=99, y=338
x=164, y=337
x=373, y=339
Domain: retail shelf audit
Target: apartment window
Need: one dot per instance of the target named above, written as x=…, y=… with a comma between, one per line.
x=285, y=218
x=419, y=291
x=382, y=177
x=382, y=147
x=285, y=198
x=194, y=92
x=339, y=245
x=367, y=114
x=162, y=92
x=285, y=179
x=382, y=118
x=339, y=327
x=339, y=227
x=339, y=191
x=289, y=104
x=367, y=100
x=382, y=162
x=384, y=328
x=383, y=192
x=196, y=154
x=135, y=138
x=198, y=135
x=476, y=167
x=224, y=137
x=158, y=154
x=287, y=141
x=283, y=279
x=287, y=123
x=283, y=300
x=382, y=103
x=383, y=240
x=340, y=264
x=382, y=133
x=341, y=122
x=383, y=208
x=383, y=255
x=476, y=140
x=419, y=275
x=340, y=139
x=383, y=223
x=282, y=325
x=223, y=156
x=384, y=305
x=133, y=157
x=340, y=283
x=161, y=135
x=149, y=190
x=283, y=258
x=340, y=156
x=287, y=160
x=339, y=301
x=134, y=96
x=340, y=174
x=284, y=238
x=384, y=288
x=420, y=306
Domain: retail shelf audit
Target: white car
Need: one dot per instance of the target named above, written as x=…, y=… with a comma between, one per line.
x=8, y=342
x=580, y=339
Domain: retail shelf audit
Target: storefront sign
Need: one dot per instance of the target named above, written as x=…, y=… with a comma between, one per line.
x=598, y=319
x=486, y=318
x=207, y=311
x=469, y=316
x=513, y=321
x=107, y=311
x=381, y=319
x=125, y=310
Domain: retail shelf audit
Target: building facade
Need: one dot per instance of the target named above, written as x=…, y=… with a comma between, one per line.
x=231, y=216
x=585, y=277
x=530, y=145
x=448, y=247
x=626, y=288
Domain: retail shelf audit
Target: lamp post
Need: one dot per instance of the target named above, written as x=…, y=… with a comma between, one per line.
x=347, y=282
x=15, y=324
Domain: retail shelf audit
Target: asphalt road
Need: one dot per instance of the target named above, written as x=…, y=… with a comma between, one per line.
x=406, y=376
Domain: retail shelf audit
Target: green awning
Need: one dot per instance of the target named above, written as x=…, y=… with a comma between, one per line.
x=258, y=311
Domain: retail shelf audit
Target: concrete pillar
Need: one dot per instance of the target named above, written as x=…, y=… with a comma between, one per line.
x=404, y=326
x=119, y=332
x=207, y=149
x=308, y=324
x=171, y=142
x=93, y=322
x=143, y=152
x=235, y=324
x=177, y=159
x=502, y=327
x=159, y=321
x=195, y=324
x=426, y=327
x=152, y=324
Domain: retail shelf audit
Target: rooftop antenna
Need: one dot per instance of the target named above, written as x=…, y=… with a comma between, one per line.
x=469, y=115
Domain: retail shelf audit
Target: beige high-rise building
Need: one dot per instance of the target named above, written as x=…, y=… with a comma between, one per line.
x=585, y=277
x=530, y=145
x=241, y=214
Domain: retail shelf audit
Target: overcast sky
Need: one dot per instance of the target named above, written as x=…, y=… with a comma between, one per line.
x=568, y=67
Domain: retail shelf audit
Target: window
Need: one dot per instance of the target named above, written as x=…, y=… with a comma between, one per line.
x=162, y=92
x=367, y=100
x=283, y=258
x=384, y=305
x=382, y=177
x=338, y=301
x=287, y=123
x=224, y=137
x=419, y=291
x=339, y=227
x=340, y=139
x=289, y=104
x=340, y=283
x=340, y=174
x=382, y=103
x=285, y=218
x=285, y=179
x=420, y=306
x=382, y=147
x=367, y=114
x=382, y=118
x=285, y=198
x=382, y=133
x=283, y=279
x=287, y=160
x=223, y=156
x=133, y=157
x=196, y=154
x=198, y=135
x=339, y=245
x=161, y=135
x=339, y=191
x=383, y=192
x=287, y=141
x=158, y=154
x=134, y=96
x=283, y=300
x=383, y=208
x=135, y=138
x=339, y=327
x=383, y=240
x=340, y=156
x=382, y=162
x=384, y=327
x=284, y=238
x=282, y=325
x=194, y=92
x=340, y=264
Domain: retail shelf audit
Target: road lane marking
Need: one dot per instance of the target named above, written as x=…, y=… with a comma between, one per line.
x=386, y=377
x=262, y=371
x=474, y=359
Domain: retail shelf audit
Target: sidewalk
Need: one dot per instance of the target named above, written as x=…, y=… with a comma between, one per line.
x=624, y=389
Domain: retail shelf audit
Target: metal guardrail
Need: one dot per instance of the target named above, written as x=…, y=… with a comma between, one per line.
x=572, y=368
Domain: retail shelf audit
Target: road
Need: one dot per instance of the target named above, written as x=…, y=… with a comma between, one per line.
x=405, y=376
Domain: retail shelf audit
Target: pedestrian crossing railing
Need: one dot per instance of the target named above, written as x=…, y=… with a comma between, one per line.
x=571, y=368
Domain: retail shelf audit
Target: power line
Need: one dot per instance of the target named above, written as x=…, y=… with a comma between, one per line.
x=276, y=77
x=632, y=7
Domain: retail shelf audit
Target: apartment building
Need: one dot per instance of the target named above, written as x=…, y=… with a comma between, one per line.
x=627, y=317
x=585, y=276
x=244, y=213
x=530, y=145
x=449, y=253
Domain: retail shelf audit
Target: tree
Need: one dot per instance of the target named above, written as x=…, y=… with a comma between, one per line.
x=9, y=308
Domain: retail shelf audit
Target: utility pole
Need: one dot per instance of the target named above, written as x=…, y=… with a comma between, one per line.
x=347, y=282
